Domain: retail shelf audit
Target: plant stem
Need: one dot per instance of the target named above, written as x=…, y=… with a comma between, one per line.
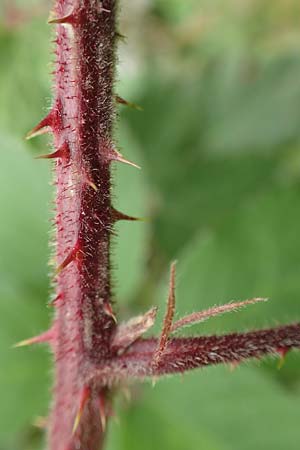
x=84, y=114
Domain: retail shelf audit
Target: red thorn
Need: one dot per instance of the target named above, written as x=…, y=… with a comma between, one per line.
x=122, y=101
x=84, y=396
x=47, y=336
x=69, y=19
x=42, y=127
x=52, y=122
x=62, y=152
x=282, y=351
x=102, y=411
x=109, y=312
x=117, y=215
x=111, y=154
x=72, y=256
x=57, y=299
x=90, y=183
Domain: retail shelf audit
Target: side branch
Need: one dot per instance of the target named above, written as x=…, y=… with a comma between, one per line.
x=183, y=354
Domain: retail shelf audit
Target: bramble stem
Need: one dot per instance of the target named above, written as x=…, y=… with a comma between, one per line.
x=84, y=110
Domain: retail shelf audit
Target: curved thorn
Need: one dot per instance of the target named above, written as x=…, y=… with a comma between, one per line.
x=109, y=312
x=69, y=19
x=85, y=395
x=62, y=152
x=72, y=256
x=44, y=126
x=92, y=185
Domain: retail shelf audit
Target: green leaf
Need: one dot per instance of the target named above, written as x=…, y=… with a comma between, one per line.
x=242, y=410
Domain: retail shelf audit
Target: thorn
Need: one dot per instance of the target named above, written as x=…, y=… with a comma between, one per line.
x=90, y=183
x=116, y=156
x=51, y=122
x=154, y=381
x=168, y=319
x=69, y=19
x=117, y=215
x=40, y=422
x=120, y=36
x=42, y=127
x=84, y=396
x=62, y=152
x=109, y=312
x=58, y=298
x=233, y=365
x=105, y=10
x=72, y=256
x=122, y=101
x=109, y=153
x=102, y=411
x=282, y=354
x=47, y=336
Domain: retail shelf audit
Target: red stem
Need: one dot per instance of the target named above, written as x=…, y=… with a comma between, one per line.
x=83, y=111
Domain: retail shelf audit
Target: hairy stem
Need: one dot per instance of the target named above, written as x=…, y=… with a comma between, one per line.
x=84, y=113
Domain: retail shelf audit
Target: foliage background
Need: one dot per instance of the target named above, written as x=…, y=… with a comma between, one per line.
x=218, y=140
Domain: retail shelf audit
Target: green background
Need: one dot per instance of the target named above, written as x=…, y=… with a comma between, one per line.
x=219, y=144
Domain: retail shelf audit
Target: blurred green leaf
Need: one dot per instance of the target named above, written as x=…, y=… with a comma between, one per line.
x=242, y=410
x=130, y=197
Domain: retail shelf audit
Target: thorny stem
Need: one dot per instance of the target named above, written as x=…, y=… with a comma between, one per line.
x=84, y=111
x=93, y=355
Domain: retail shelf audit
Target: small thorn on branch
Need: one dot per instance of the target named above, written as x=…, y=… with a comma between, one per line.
x=282, y=351
x=69, y=19
x=40, y=422
x=74, y=255
x=84, y=397
x=116, y=156
x=56, y=300
x=44, y=126
x=117, y=215
x=45, y=337
x=62, y=152
x=122, y=101
x=109, y=311
x=109, y=154
x=52, y=122
x=102, y=410
x=120, y=36
x=168, y=319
